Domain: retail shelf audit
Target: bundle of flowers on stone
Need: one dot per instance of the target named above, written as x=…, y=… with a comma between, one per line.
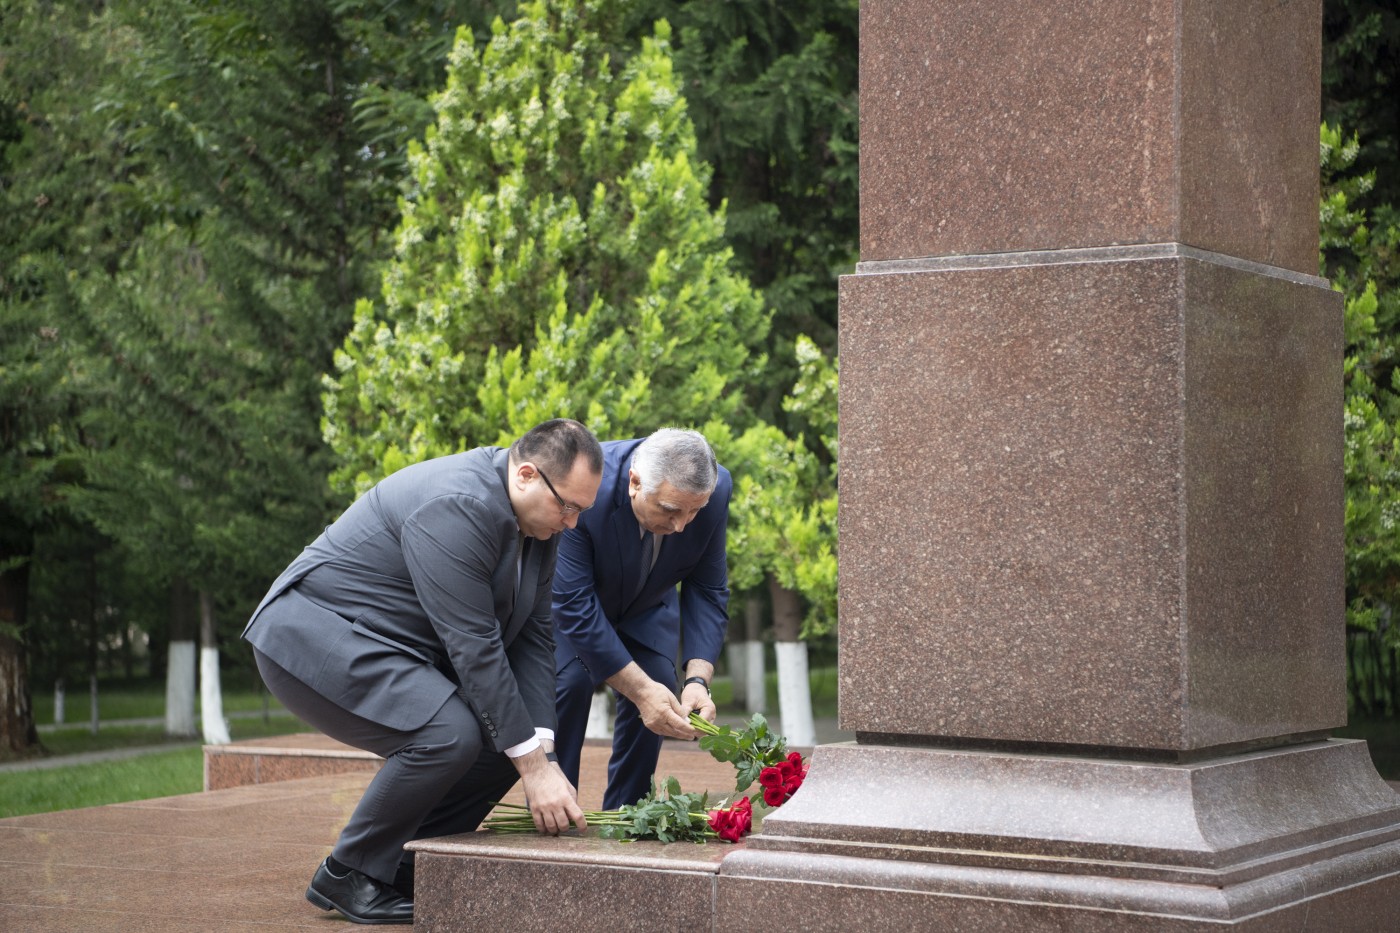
x=781, y=781
x=758, y=754
x=666, y=815
x=732, y=823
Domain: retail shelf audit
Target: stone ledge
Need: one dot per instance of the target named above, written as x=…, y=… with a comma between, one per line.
x=570, y=882
x=281, y=758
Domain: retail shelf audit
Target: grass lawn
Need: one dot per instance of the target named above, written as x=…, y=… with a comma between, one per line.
x=159, y=774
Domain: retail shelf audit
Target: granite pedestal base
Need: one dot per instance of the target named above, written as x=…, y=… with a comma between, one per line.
x=1295, y=838
x=487, y=881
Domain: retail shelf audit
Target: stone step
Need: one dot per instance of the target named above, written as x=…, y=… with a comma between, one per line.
x=281, y=758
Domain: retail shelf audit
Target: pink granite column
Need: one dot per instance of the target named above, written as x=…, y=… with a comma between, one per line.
x=1091, y=504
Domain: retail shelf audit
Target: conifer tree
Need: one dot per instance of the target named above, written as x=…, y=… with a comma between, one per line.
x=556, y=257
x=1361, y=254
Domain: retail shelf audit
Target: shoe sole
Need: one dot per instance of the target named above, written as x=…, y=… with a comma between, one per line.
x=320, y=900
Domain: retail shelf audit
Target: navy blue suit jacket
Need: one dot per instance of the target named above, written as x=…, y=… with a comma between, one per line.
x=600, y=560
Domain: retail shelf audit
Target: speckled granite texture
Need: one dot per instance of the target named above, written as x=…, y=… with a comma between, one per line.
x=1094, y=502
x=1091, y=508
x=281, y=758
x=1003, y=126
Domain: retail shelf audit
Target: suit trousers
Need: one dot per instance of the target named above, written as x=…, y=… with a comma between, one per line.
x=635, y=747
x=436, y=780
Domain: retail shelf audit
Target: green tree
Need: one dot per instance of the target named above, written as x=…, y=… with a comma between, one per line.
x=54, y=169
x=772, y=90
x=194, y=194
x=1361, y=87
x=556, y=257
x=1360, y=256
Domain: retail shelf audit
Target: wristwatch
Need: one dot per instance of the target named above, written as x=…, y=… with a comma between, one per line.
x=696, y=680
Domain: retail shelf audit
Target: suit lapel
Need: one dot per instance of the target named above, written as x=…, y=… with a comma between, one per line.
x=524, y=592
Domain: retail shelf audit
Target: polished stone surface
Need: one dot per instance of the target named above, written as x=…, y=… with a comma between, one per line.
x=570, y=883
x=1001, y=126
x=833, y=894
x=1092, y=503
x=1216, y=822
x=229, y=860
x=281, y=758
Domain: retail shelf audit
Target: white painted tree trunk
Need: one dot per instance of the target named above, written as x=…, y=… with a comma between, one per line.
x=795, y=693
x=211, y=694
x=755, y=677
x=735, y=653
x=211, y=699
x=600, y=716
x=179, y=689
x=58, y=698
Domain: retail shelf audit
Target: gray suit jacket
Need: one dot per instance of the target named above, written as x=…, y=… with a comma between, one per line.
x=412, y=594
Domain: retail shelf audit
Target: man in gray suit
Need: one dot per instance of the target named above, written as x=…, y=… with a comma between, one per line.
x=418, y=627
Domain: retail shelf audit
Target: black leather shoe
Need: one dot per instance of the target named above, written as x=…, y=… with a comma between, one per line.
x=358, y=897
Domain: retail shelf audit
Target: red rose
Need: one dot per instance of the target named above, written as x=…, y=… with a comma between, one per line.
x=770, y=777
x=795, y=758
x=774, y=796
x=731, y=825
x=787, y=769
x=743, y=819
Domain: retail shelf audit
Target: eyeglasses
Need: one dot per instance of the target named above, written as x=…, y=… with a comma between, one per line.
x=564, y=507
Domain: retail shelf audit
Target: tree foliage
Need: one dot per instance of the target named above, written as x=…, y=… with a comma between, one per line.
x=772, y=90
x=1361, y=87
x=555, y=257
x=192, y=194
x=1359, y=254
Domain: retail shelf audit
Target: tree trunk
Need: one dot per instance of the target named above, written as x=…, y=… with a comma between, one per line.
x=735, y=654
x=180, y=665
x=93, y=639
x=17, y=733
x=211, y=696
x=794, y=686
x=755, y=670
x=600, y=715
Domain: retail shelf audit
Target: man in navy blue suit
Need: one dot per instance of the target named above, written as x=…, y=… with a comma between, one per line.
x=645, y=561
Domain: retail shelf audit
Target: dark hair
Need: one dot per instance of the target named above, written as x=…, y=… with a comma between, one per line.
x=556, y=444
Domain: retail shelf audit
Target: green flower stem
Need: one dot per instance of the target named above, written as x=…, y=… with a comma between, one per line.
x=519, y=820
x=701, y=724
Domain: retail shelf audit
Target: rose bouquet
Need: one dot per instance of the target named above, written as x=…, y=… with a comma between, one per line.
x=668, y=815
x=758, y=754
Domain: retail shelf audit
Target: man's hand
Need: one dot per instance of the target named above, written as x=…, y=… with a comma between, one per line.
x=697, y=698
x=694, y=696
x=553, y=800
x=661, y=712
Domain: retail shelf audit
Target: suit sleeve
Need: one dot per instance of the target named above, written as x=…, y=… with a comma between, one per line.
x=578, y=613
x=451, y=554
x=705, y=591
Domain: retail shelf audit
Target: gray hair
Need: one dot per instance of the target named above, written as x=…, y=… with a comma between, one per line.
x=679, y=457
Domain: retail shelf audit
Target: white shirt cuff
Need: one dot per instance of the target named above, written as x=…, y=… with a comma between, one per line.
x=524, y=748
x=529, y=745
